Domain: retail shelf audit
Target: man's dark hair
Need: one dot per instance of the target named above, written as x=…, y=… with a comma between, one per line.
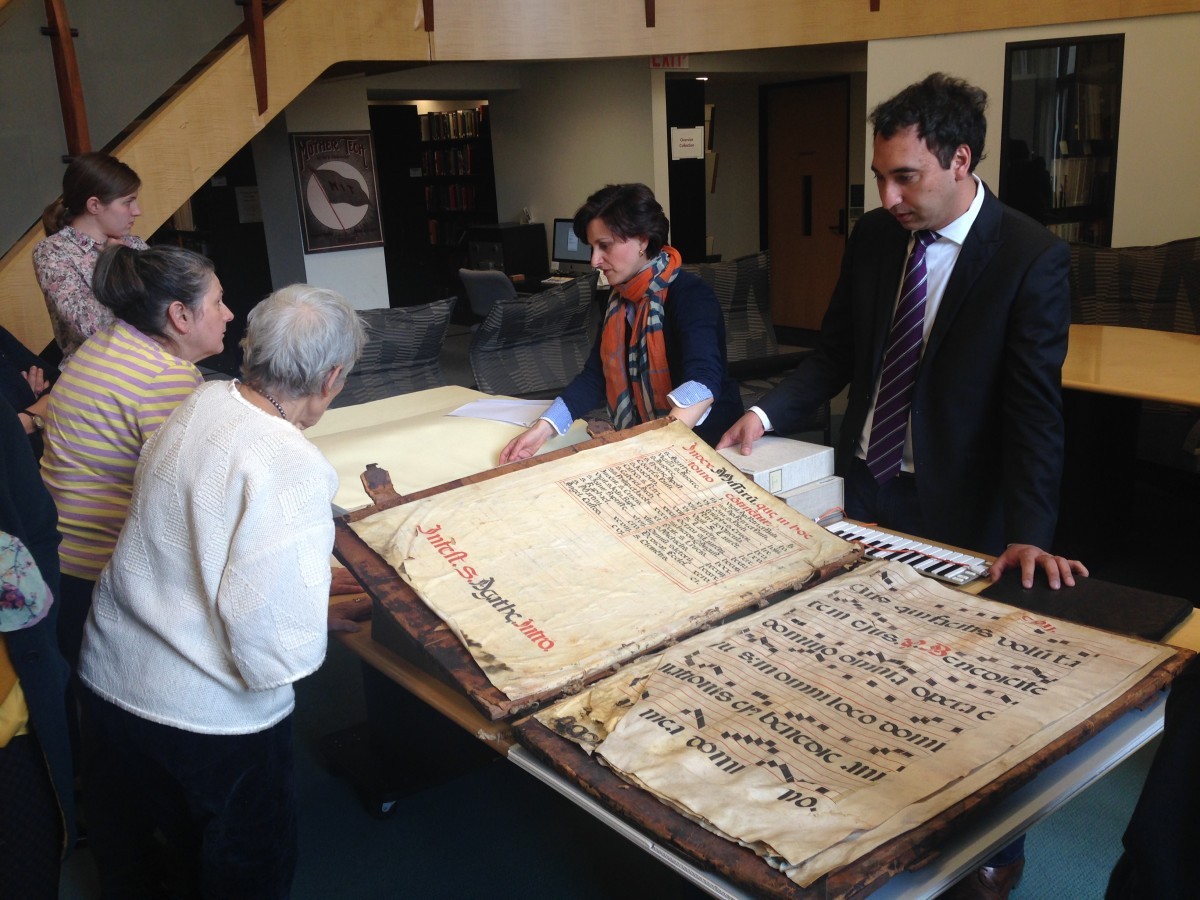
x=948, y=113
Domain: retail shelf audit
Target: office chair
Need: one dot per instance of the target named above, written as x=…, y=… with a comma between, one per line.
x=484, y=287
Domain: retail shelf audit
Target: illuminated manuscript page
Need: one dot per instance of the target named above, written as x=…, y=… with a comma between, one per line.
x=556, y=570
x=821, y=727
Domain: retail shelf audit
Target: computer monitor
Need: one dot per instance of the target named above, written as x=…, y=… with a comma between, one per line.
x=568, y=249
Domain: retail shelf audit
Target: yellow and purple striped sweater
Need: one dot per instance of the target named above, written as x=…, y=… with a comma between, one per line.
x=113, y=394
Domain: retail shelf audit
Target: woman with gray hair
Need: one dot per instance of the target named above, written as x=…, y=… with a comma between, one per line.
x=214, y=603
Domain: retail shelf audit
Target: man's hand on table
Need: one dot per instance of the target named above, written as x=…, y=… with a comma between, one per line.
x=1059, y=570
x=743, y=433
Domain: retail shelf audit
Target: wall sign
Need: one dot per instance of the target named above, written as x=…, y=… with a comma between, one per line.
x=337, y=190
x=670, y=61
x=687, y=143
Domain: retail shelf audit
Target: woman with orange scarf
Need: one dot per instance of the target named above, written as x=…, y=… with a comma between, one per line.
x=661, y=350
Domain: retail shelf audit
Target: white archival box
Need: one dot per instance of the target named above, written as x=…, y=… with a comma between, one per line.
x=816, y=498
x=781, y=464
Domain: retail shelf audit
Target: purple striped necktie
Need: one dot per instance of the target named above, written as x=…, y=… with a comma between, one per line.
x=900, y=359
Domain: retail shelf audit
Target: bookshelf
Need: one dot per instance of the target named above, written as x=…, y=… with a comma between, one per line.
x=1058, y=153
x=436, y=180
x=457, y=178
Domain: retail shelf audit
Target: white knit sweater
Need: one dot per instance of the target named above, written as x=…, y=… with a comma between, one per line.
x=216, y=598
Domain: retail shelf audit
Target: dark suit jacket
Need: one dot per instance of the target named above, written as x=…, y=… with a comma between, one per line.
x=987, y=425
x=1165, y=827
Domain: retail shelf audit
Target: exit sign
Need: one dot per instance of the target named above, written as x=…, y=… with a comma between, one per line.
x=678, y=61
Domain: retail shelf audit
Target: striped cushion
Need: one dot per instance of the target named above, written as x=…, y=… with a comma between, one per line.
x=1139, y=287
x=1154, y=287
x=743, y=287
x=401, y=355
x=536, y=343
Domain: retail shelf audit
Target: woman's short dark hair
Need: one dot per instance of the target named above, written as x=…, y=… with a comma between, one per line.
x=296, y=337
x=140, y=285
x=89, y=175
x=947, y=111
x=629, y=210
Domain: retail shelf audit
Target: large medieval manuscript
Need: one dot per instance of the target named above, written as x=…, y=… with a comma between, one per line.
x=821, y=727
x=555, y=571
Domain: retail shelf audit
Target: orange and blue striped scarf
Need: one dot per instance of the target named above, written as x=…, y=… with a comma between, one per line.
x=636, y=376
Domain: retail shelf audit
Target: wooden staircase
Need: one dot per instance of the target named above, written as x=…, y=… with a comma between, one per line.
x=212, y=113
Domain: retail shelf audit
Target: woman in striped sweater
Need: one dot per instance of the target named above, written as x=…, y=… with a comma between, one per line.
x=117, y=389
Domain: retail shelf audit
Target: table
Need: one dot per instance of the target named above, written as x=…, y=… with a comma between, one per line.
x=416, y=424
x=1134, y=362
x=1108, y=372
x=413, y=438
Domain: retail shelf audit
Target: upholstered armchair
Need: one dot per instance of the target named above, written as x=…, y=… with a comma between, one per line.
x=401, y=354
x=532, y=345
x=743, y=288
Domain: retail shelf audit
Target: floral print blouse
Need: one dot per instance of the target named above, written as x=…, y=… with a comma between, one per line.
x=64, y=263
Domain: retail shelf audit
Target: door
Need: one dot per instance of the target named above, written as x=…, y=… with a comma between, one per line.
x=685, y=109
x=805, y=195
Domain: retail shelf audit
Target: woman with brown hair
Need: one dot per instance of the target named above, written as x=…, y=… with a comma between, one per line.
x=661, y=350
x=97, y=208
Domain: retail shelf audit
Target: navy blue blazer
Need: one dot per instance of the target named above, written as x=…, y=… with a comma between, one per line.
x=694, y=332
x=987, y=424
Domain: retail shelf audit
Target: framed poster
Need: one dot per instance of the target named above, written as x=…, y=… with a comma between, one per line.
x=337, y=190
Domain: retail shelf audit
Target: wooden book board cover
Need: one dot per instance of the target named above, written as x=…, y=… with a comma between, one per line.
x=399, y=615
x=744, y=867
x=1100, y=604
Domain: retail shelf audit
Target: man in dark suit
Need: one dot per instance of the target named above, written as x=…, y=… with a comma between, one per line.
x=982, y=458
x=973, y=419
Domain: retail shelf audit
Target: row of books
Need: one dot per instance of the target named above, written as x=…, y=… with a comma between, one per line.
x=1075, y=179
x=1093, y=229
x=446, y=234
x=1068, y=231
x=454, y=161
x=452, y=125
x=1093, y=113
x=454, y=197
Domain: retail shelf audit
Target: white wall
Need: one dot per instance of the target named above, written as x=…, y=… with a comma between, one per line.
x=572, y=128
x=560, y=130
x=342, y=105
x=1155, y=199
x=360, y=275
